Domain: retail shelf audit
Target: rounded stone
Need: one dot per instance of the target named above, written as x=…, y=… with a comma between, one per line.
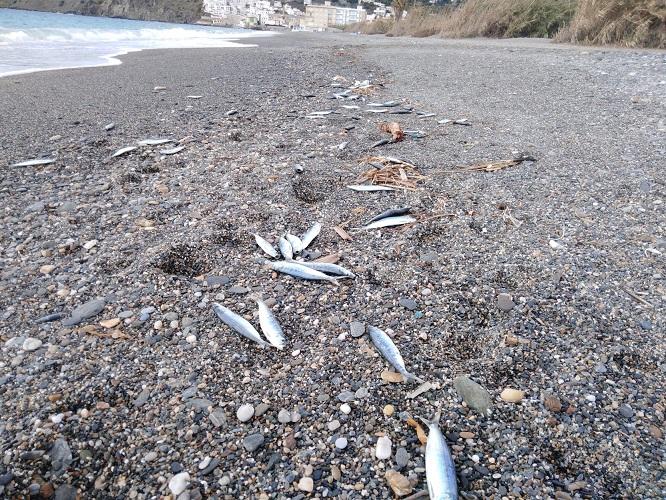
x=383, y=449
x=341, y=443
x=245, y=412
x=179, y=483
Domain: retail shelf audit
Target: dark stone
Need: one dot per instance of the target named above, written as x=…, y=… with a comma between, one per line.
x=253, y=441
x=408, y=304
x=176, y=467
x=5, y=479
x=211, y=466
x=85, y=311
x=65, y=492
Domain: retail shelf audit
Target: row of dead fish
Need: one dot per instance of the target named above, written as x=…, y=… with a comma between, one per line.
x=150, y=142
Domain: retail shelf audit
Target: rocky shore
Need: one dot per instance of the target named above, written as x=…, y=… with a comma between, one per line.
x=543, y=282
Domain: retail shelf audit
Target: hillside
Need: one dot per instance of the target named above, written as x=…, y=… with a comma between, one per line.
x=177, y=11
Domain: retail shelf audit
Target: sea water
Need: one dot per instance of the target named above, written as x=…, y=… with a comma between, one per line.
x=36, y=41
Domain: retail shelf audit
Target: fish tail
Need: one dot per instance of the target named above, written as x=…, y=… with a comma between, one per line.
x=412, y=377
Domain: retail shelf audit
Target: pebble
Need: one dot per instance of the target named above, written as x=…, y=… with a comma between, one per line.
x=65, y=492
x=341, y=443
x=408, y=304
x=552, y=403
x=253, y=441
x=61, y=456
x=218, y=417
x=346, y=396
x=345, y=408
x=333, y=425
x=85, y=311
x=505, y=302
x=245, y=412
x=401, y=457
x=626, y=411
x=306, y=484
x=261, y=409
x=110, y=323
x=400, y=485
x=179, y=483
x=204, y=463
x=31, y=344
x=383, y=449
x=388, y=410
x=512, y=395
x=150, y=456
x=191, y=339
x=47, y=269
x=357, y=329
x=284, y=416
x=475, y=395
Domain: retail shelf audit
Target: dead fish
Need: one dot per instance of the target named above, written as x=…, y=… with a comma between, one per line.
x=238, y=323
x=387, y=348
x=400, y=112
x=299, y=271
x=123, y=151
x=285, y=248
x=329, y=268
x=440, y=468
x=462, y=121
x=231, y=112
x=194, y=96
x=50, y=317
x=295, y=242
x=376, y=110
x=110, y=126
x=265, y=246
x=153, y=142
x=270, y=326
x=350, y=106
x=321, y=113
x=369, y=187
x=426, y=115
x=381, y=142
x=415, y=134
x=389, y=221
x=159, y=88
x=32, y=163
x=310, y=235
x=172, y=151
x=393, y=212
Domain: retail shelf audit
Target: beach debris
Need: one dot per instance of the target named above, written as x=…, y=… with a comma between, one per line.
x=425, y=115
x=331, y=258
x=415, y=134
x=285, y=248
x=123, y=151
x=512, y=395
x=172, y=151
x=50, y=317
x=295, y=242
x=350, y=106
x=109, y=126
x=391, y=377
x=461, y=121
x=473, y=394
x=555, y=245
x=298, y=270
x=401, y=111
x=394, y=129
x=194, y=96
x=270, y=326
x=440, y=469
x=32, y=163
x=238, y=323
x=398, y=483
x=392, y=212
x=424, y=387
x=231, y=112
x=388, y=222
x=319, y=114
x=369, y=187
x=158, y=88
x=388, y=349
x=329, y=268
x=265, y=246
x=310, y=235
x=153, y=142
x=381, y=142
x=420, y=433
x=495, y=166
x=387, y=104
x=377, y=110
x=392, y=172
x=342, y=233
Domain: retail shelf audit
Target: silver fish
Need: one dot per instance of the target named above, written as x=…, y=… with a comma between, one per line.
x=300, y=271
x=328, y=268
x=109, y=126
x=390, y=221
x=32, y=163
x=194, y=96
x=310, y=235
x=123, y=151
x=390, y=352
x=321, y=113
x=376, y=110
x=270, y=326
x=390, y=213
x=265, y=246
x=350, y=106
x=285, y=248
x=238, y=323
x=426, y=115
x=440, y=469
x=153, y=142
x=172, y=151
x=295, y=242
x=369, y=187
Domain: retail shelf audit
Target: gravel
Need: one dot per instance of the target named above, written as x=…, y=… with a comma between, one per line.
x=583, y=342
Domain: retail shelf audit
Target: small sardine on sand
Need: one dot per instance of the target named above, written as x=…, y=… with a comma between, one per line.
x=270, y=326
x=327, y=268
x=389, y=221
x=393, y=212
x=123, y=151
x=153, y=142
x=295, y=242
x=299, y=271
x=285, y=248
x=265, y=246
x=376, y=110
x=385, y=345
x=32, y=163
x=172, y=151
x=238, y=323
x=310, y=235
x=440, y=469
x=369, y=187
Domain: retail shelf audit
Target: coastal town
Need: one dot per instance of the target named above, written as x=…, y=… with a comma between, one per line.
x=312, y=17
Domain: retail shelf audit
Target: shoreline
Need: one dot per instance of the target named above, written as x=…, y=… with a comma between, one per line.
x=476, y=287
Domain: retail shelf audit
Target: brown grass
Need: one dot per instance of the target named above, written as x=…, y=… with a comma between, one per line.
x=631, y=23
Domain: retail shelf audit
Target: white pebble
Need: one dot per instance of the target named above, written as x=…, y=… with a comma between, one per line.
x=191, y=339
x=179, y=483
x=31, y=344
x=345, y=408
x=341, y=443
x=245, y=412
x=383, y=450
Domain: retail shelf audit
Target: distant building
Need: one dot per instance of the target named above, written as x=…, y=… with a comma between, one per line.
x=327, y=15
x=249, y=13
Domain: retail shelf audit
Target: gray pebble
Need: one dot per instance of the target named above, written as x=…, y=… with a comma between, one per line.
x=253, y=441
x=357, y=328
x=341, y=443
x=408, y=304
x=505, y=302
x=346, y=396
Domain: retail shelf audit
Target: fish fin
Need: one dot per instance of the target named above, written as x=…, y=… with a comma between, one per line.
x=435, y=419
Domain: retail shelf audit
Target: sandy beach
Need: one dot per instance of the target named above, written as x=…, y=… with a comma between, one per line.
x=547, y=277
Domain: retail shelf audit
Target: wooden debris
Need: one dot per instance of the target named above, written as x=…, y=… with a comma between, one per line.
x=420, y=433
x=329, y=259
x=391, y=172
x=392, y=377
x=342, y=233
x=494, y=166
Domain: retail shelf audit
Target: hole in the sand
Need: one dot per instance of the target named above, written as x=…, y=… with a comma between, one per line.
x=186, y=259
